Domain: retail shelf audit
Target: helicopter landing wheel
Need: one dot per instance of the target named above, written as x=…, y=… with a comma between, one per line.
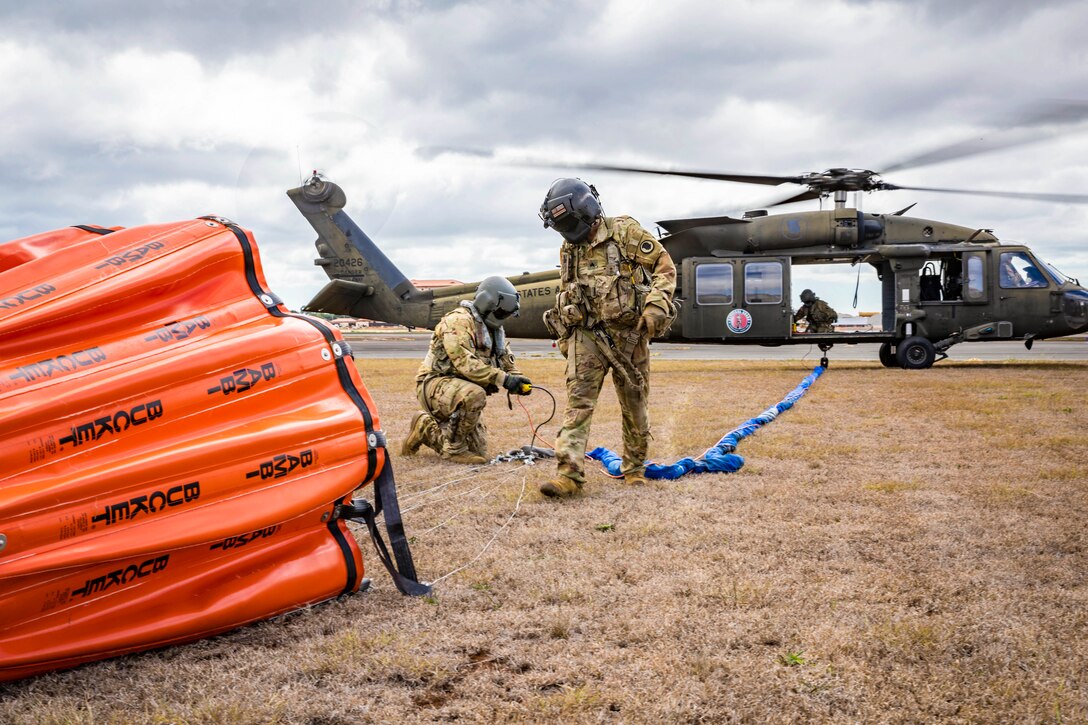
x=887, y=356
x=915, y=353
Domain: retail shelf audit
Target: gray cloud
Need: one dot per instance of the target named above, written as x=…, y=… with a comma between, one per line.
x=115, y=116
x=213, y=30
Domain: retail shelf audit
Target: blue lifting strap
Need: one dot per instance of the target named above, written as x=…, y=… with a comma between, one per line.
x=720, y=458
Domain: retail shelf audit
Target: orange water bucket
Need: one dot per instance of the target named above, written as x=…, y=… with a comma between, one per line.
x=178, y=452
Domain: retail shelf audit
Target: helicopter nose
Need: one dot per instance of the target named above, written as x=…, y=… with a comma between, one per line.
x=1075, y=307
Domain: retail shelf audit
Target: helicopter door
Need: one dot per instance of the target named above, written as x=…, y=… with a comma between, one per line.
x=1022, y=291
x=709, y=284
x=765, y=283
x=736, y=298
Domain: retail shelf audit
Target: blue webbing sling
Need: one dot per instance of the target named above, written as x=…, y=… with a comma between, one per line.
x=720, y=458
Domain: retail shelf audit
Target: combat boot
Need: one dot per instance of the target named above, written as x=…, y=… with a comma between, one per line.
x=560, y=487
x=634, y=479
x=424, y=430
x=463, y=435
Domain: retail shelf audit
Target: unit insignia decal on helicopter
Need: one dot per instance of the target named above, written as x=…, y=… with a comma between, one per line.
x=739, y=321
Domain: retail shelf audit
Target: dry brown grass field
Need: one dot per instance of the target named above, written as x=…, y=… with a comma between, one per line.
x=900, y=547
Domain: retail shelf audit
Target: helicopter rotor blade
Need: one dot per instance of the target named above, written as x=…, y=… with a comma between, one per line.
x=741, y=178
x=1030, y=195
x=1053, y=119
x=785, y=195
x=1047, y=121
x=431, y=152
x=805, y=195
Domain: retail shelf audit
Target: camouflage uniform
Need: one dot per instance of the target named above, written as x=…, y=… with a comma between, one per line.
x=605, y=284
x=466, y=362
x=820, y=316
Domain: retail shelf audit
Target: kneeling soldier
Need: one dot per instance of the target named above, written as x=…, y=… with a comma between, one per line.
x=468, y=360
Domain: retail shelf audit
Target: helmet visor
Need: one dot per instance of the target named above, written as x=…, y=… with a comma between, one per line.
x=508, y=305
x=562, y=219
x=562, y=215
x=558, y=213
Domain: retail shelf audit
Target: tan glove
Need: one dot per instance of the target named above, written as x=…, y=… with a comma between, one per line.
x=652, y=321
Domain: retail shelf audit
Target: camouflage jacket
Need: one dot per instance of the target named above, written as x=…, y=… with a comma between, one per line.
x=817, y=312
x=463, y=346
x=612, y=277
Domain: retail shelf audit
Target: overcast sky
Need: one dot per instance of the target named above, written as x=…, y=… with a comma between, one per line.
x=124, y=113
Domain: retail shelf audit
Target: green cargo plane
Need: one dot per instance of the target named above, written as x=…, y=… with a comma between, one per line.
x=942, y=284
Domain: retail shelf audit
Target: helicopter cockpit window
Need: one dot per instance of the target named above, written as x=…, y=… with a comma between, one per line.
x=763, y=282
x=1056, y=273
x=714, y=284
x=1018, y=270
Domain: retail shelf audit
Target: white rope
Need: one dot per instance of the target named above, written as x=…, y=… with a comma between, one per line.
x=464, y=510
x=439, y=526
x=416, y=494
x=456, y=495
x=495, y=537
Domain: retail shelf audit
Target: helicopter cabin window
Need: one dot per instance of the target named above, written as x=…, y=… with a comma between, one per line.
x=763, y=282
x=714, y=284
x=929, y=283
x=941, y=280
x=975, y=279
x=1019, y=271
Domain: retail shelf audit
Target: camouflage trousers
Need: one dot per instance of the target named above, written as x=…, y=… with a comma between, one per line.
x=456, y=405
x=587, y=365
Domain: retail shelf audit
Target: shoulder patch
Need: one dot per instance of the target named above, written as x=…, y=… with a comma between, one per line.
x=646, y=247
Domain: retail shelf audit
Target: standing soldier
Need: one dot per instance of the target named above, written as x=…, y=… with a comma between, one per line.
x=818, y=314
x=616, y=289
x=467, y=361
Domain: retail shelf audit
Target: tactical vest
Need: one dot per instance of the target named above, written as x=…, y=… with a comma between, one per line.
x=821, y=313
x=606, y=282
x=490, y=348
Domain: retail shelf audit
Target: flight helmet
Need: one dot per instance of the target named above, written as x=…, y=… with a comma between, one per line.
x=808, y=296
x=570, y=207
x=496, y=299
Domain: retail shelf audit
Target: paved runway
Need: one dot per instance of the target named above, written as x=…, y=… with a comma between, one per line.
x=413, y=345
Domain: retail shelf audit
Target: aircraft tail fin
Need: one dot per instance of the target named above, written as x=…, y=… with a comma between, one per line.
x=364, y=282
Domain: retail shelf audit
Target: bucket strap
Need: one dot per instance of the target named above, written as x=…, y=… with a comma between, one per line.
x=403, y=571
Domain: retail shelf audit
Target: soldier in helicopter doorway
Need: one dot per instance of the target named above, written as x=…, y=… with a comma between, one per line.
x=817, y=313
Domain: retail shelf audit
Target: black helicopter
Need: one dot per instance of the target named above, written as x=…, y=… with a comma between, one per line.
x=942, y=284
